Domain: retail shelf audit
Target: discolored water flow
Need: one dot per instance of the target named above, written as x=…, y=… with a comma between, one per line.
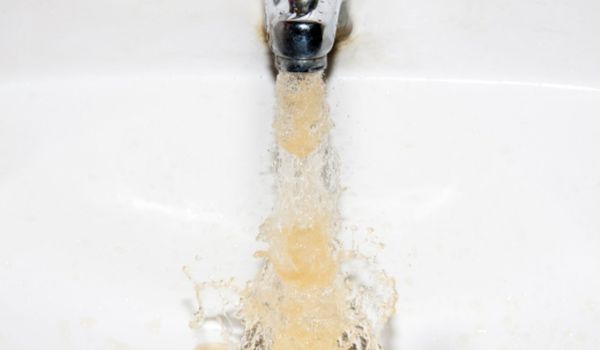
x=311, y=292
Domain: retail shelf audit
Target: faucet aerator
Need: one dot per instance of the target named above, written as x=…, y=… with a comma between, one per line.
x=302, y=32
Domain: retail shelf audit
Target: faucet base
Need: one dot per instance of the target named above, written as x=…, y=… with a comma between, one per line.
x=300, y=65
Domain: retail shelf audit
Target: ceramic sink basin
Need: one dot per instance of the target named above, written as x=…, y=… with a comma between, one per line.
x=135, y=139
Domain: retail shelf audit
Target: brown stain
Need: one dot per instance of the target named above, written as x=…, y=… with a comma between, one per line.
x=343, y=34
x=263, y=38
x=261, y=33
x=344, y=42
x=340, y=45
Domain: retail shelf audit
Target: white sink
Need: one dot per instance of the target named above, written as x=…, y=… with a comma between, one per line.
x=135, y=137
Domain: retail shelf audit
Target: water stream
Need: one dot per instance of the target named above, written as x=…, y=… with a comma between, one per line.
x=312, y=292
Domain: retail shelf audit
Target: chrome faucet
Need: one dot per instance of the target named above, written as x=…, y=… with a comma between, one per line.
x=302, y=32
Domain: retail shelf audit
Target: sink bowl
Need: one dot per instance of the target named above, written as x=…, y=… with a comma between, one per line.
x=134, y=141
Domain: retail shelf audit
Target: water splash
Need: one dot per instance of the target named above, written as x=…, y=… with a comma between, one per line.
x=312, y=293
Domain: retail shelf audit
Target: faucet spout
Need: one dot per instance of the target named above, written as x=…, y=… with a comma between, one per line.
x=302, y=32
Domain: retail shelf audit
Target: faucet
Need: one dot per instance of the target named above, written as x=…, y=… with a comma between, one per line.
x=302, y=32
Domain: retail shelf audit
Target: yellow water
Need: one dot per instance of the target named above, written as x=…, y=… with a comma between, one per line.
x=302, y=121
x=303, y=299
